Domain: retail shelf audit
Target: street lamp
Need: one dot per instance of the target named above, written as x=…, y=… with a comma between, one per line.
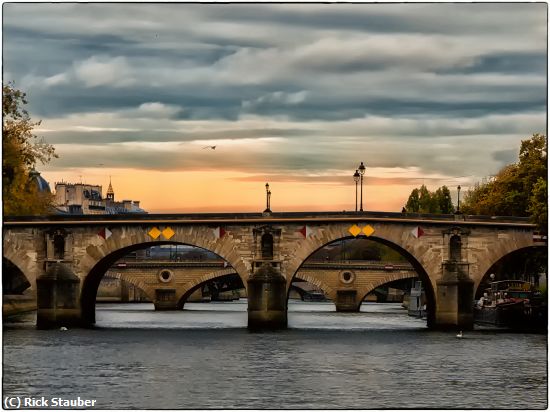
x=268, y=198
x=361, y=170
x=356, y=177
x=458, y=202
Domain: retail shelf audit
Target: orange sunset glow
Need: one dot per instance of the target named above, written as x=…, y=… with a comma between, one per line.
x=229, y=191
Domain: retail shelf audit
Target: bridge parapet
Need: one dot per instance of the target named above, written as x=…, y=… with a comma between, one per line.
x=258, y=218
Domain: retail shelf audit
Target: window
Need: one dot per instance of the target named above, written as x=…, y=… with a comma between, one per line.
x=267, y=246
x=455, y=248
x=58, y=247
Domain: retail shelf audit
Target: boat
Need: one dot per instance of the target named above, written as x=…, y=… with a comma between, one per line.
x=417, y=301
x=512, y=304
x=314, y=296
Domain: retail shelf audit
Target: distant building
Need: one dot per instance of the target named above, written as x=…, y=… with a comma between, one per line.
x=85, y=199
x=41, y=184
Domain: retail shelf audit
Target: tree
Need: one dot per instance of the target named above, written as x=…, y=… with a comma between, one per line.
x=443, y=199
x=413, y=203
x=538, y=203
x=21, y=151
x=519, y=189
x=426, y=205
x=423, y=201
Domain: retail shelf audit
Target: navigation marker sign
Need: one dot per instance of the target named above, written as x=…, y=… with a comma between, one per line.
x=306, y=231
x=368, y=230
x=354, y=230
x=154, y=233
x=417, y=232
x=105, y=233
x=168, y=232
x=218, y=232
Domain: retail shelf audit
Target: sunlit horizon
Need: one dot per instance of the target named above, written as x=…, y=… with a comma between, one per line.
x=231, y=191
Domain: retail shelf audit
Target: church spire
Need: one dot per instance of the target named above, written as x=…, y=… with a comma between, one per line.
x=110, y=191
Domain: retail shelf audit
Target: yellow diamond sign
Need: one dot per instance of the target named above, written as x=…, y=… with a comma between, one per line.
x=167, y=232
x=354, y=230
x=368, y=230
x=154, y=233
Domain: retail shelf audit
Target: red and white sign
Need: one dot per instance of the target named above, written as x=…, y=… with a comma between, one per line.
x=306, y=231
x=105, y=233
x=417, y=232
x=219, y=232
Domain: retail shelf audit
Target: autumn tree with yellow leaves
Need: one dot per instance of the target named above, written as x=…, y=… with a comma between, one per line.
x=21, y=150
x=518, y=189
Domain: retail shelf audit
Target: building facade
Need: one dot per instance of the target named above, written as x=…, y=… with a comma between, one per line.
x=86, y=199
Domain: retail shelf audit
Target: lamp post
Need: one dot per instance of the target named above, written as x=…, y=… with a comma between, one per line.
x=458, y=202
x=268, y=198
x=361, y=170
x=356, y=180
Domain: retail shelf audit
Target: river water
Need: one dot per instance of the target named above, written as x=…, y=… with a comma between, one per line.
x=204, y=358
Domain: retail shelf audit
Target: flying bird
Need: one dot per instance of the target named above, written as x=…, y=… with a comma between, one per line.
x=210, y=147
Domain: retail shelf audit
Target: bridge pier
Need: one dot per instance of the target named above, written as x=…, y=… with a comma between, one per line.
x=57, y=298
x=455, y=297
x=267, y=299
x=165, y=299
x=346, y=301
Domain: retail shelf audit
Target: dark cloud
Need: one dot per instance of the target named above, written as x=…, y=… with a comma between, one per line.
x=113, y=136
x=412, y=85
x=503, y=63
x=339, y=180
x=505, y=156
x=324, y=110
x=384, y=18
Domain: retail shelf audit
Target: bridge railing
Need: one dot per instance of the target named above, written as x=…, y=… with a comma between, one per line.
x=190, y=218
x=370, y=264
x=313, y=263
x=166, y=262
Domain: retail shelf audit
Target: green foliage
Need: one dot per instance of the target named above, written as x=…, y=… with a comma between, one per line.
x=21, y=151
x=538, y=203
x=423, y=201
x=442, y=197
x=519, y=189
x=521, y=264
x=413, y=203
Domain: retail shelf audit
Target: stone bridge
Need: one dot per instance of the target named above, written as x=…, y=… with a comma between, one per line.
x=339, y=280
x=65, y=257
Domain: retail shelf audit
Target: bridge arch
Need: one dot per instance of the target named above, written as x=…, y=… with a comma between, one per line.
x=22, y=258
x=397, y=276
x=135, y=282
x=100, y=259
x=192, y=286
x=489, y=268
x=327, y=290
x=13, y=278
x=402, y=242
x=484, y=259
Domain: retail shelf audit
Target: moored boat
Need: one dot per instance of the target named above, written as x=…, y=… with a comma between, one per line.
x=512, y=304
x=417, y=301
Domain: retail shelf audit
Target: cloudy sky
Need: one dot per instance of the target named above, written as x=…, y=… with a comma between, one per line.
x=296, y=95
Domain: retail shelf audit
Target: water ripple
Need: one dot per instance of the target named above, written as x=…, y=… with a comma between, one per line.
x=204, y=358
